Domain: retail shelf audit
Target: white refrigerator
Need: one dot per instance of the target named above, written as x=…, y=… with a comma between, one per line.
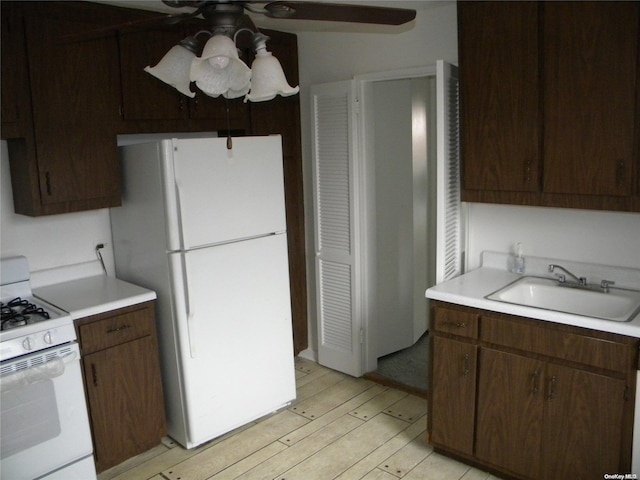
x=205, y=228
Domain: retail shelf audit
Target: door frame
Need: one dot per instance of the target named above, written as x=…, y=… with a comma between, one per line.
x=364, y=84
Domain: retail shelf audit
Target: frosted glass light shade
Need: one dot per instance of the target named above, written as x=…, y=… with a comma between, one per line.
x=173, y=69
x=267, y=79
x=219, y=70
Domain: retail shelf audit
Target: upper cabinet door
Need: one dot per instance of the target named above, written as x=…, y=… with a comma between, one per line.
x=144, y=97
x=590, y=55
x=499, y=95
x=74, y=91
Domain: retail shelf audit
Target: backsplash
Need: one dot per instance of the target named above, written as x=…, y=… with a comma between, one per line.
x=596, y=237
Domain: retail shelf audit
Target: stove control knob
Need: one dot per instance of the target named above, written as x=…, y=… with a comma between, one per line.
x=27, y=343
x=48, y=338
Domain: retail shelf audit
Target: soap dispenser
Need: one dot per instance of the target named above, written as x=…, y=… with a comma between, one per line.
x=518, y=261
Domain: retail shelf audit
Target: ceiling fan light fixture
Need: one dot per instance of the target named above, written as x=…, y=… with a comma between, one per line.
x=219, y=70
x=173, y=69
x=267, y=77
x=219, y=46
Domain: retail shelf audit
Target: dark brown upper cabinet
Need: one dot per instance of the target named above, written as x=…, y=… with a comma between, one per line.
x=549, y=103
x=65, y=159
x=591, y=49
x=499, y=45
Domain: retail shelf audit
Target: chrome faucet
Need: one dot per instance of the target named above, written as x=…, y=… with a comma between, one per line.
x=582, y=281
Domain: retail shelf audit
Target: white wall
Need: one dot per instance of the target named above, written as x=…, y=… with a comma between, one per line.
x=51, y=241
x=606, y=238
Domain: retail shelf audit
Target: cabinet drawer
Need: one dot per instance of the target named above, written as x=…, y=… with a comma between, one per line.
x=525, y=335
x=105, y=332
x=456, y=321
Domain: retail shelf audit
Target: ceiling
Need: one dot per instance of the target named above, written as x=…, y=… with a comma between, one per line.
x=301, y=25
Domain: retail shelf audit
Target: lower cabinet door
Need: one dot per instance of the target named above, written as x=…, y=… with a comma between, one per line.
x=583, y=424
x=510, y=412
x=125, y=400
x=453, y=387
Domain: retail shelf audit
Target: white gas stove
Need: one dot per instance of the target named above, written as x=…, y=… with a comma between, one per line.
x=45, y=425
x=28, y=323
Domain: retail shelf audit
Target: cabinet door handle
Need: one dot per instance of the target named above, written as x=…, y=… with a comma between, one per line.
x=94, y=375
x=535, y=376
x=465, y=365
x=552, y=388
x=527, y=172
x=621, y=173
x=47, y=180
x=119, y=329
x=457, y=324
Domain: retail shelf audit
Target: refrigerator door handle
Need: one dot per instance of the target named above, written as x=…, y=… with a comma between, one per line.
x=185, y=316
x=191, y=316
x=191, y=326
x=171, y=197
x=180, y=233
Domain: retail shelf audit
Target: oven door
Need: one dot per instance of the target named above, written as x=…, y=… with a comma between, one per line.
x=44, y=419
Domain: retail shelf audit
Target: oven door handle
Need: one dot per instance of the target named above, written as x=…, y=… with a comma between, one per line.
x=46, y=371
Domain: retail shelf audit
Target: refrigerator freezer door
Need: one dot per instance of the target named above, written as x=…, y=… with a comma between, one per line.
x=224, y=195
x=235, y=332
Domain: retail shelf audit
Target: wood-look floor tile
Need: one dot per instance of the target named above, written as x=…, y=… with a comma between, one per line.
x=123, y=470
x=316, y=382
x=437, y=467
x=311, y=445
x=346, y=451
x=332, y=415
x=307, y=366
x=408, y=408
x=233, y=449
x=379, y=403
x=405, y=459
x=324, y=401
x=475, y=474
x=237, y=469
x=377, y=474
x=358, y=470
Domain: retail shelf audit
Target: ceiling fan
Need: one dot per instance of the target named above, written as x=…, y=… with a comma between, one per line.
x=215, y=66
x=219, y=71
x=226, y=11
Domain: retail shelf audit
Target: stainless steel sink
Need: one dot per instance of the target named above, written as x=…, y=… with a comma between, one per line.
x=618, y=305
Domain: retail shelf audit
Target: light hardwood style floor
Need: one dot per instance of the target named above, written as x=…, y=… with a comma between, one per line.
x=339, y=427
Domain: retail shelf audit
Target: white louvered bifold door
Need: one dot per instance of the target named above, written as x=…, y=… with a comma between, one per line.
x=449, y=223
x=334, y=184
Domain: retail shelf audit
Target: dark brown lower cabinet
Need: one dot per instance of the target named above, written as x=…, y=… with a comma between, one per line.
x=454, y=389
x=510, y=410
x=123, y=383
x=531, y=399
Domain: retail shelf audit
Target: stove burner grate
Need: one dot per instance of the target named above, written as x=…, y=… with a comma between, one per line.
x=19, y=312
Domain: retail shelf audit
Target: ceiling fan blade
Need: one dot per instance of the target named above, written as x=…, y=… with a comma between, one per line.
x=339, y=12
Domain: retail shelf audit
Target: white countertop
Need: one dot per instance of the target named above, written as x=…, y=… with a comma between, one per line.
x=471, y=288
x=93, y=295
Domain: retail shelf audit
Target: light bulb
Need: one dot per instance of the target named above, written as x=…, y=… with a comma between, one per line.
x=219, y=61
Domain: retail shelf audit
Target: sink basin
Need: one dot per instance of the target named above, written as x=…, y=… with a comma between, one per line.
x=619, y=305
